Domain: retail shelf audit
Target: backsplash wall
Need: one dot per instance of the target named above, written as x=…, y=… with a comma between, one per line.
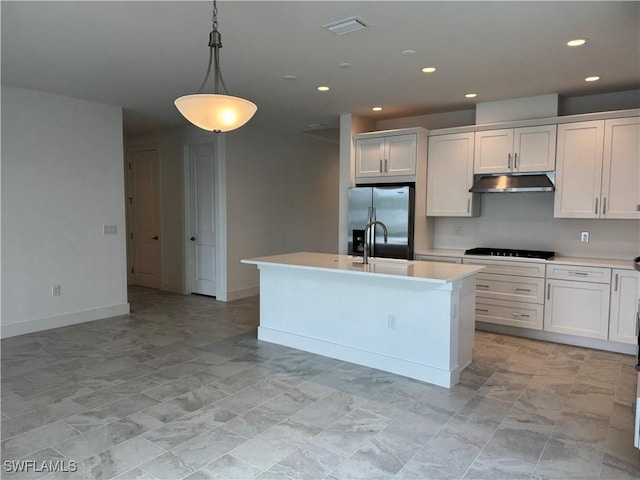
x=525, y=220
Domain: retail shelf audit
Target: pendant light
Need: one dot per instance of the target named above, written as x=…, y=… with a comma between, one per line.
x=216, y=112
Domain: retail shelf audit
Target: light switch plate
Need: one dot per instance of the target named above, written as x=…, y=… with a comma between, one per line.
x=109, y=229
x=584, y=237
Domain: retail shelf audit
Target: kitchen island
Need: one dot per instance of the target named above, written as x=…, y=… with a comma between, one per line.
x=411, y=318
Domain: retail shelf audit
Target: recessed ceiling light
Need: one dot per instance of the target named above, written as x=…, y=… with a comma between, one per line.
x=594, y=78
x=577, y=42
x=429, y=69
x=408, y=52
x=376, y=109
x=290, y=77
x=471, y=95
x=344, y=65
x=323, y=88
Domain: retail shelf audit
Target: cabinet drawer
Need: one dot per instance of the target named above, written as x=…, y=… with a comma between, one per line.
x=579, y=273
x=507, y=287
x=515, y=314
x=508, y=267
x=435, y=258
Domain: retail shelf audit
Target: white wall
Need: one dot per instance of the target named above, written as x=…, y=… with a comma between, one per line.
x=525, y=220
x=62, y=180
x=282, y=196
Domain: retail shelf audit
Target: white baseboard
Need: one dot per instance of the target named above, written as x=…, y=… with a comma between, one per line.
x=596, y=343
x=47, y=323
x=237, y=294
x=387, y=363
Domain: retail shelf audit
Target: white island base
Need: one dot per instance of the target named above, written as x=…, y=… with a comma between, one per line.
x=415, y=319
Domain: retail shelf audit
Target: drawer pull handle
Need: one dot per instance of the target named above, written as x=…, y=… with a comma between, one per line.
x=580, y=274
x=521, y=289
x=482, y=310
x=483, y=286
x=519, y=314
x=616, y=286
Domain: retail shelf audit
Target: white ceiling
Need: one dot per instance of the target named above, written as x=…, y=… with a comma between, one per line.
x=142, y=55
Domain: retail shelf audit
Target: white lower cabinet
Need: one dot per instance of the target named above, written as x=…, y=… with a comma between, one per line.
x=625, y=293
x=510, y=292
x=577, y=308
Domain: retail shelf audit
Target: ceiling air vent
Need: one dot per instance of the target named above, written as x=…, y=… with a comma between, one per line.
x=347, y=25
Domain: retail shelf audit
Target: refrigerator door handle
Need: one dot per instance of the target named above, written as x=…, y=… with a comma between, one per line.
x=372, y=234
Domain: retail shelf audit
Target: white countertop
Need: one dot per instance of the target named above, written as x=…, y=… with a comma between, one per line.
x=558, y=259
x=431, y=272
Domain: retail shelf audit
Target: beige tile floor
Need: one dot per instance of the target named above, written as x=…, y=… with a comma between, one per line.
x=181, y=388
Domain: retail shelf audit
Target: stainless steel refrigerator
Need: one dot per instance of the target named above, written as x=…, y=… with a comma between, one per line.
x=393, y=206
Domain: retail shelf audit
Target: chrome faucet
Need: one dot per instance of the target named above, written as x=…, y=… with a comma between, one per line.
x=365, y=256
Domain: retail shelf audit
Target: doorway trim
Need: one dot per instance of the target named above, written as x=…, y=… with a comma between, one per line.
x=220, y=209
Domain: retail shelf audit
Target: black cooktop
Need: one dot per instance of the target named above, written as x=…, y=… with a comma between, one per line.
x=507, y=252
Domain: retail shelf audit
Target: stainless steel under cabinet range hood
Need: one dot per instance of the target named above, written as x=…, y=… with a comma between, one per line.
x=534, y=182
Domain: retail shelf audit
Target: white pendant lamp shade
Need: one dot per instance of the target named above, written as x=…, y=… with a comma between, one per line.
x=216, y=112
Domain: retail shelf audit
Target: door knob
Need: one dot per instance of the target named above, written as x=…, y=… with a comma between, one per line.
x=193, y=239
x=154, y=238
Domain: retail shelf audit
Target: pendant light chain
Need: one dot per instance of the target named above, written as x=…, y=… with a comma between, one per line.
x=215, y=44
x=214, y=19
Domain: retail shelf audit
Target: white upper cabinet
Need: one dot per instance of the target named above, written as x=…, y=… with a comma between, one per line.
x=621, y=169
x=598, y=169
x=450, y=176
x=511, y=150
x=382, y=155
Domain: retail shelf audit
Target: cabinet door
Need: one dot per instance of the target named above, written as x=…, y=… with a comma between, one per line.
x=577, y=308
x=450, y=175
x=534, y=149
x=624, y=303
x=369, y=157
x=493, y=151
x=621, y=169
x=579, y=170
x=400, y=155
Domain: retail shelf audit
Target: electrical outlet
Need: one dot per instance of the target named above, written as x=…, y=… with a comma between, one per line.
x=391, y=322
x=56, y=290
x=584, y=237
x=109, y=229
x=458, y=231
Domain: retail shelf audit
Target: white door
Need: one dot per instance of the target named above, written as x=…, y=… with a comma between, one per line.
x=144, y=204
x=202, y=248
